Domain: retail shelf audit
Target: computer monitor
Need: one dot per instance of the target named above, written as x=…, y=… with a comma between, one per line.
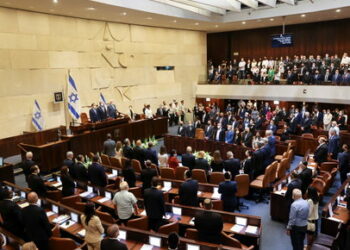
x=55, y=209
x=58, y=178
x=241, y=221
x=122, y=235
x=167, y=184
x=90, y=189
x=155, y=241
x=114, y=172
x=192, y=247
x=1, y=161
x=177, y=210
x=74, y=217
x=108, y=195
x=38, y=203
x=23, y=195
x=216, y=190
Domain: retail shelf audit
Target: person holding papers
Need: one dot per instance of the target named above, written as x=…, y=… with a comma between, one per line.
x=228, y=190
x=111, y=242
x=68, y=186
x=126, y=203
x=93, y=227
x=188, y=191
x=36, y=223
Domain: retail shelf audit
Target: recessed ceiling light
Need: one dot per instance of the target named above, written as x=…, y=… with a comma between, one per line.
x=338, y=10
x=55, y=1
x=174, y=21
x=90, y=8
x=303, y=15
x=243, y=22
x=123, y=13
x=196, y=23
x=216, y=26
x=149, y=18
x=271, y=19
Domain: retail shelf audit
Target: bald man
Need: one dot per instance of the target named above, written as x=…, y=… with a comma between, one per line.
x=27, y=164
x=111, y=242
x=36, y=224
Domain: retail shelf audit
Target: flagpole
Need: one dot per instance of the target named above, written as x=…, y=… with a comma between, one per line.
x=66, y=113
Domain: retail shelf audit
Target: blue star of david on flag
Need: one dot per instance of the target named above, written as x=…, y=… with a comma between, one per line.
x=73, y=99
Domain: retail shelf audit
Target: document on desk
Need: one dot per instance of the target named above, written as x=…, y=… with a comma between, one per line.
x=23, y=205
x=48, y=214
x=146, y=247
x=58, y=184
x=102, y=200
x=237, y=228
x=60, y=219
x=81, y=233
x=67, y=224
x=166, y=189
x=85, y=194
x=252, y=230
x=192, y=221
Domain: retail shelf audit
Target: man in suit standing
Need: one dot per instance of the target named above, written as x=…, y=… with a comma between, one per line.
x=35, y=183
x=209, y=224
x=336, y=78
x=231, y=165
x=139, y=153
x=36, y=224
x=11, y=215
x=188, y=190
x=151, y=154
x=202, y=163
x=97, y=173
x=128, y=151
x=94, y=116
x=190, y=130
x=219, y=134
x=147, y=174
x=112, y=110
x=111, y=242
x=228, y=190
x=321, y=152
x=344, y=163
x=81, y=173
x=229, y=135
x=181, y=130
x=295, y=183
x=188, y=159
x=272, y=127
x=247, y=138
x=333, y=144
x=70, y=163
x=102, y=111
x=306, y=123
x=27, y=164
x=154, y=205
x=109, y=146
x=327, y=76
x=305, y=176
x=271, y=142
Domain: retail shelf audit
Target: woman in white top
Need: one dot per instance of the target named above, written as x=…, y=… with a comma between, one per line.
x=312, y=220
x=163, y=157
x=119, y=150
x=93, y=227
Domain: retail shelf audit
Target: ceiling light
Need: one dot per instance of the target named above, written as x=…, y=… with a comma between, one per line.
x=196, y=23
x=149, y=18
x=123, y=13
x=271, y=19
x=174, y=21
x=338, y=10
x=303, y=15
x=55, y=1
x=243, y=22
x=90, y=8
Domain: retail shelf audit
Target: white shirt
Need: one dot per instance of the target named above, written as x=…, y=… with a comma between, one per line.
x=327, y=118
x=313, y=210
x=148, y=113
x=241, y=65
x=125, y=201
x=163, y=160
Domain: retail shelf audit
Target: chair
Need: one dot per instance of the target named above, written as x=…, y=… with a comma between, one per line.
x=139, y=223
x=91, y=155
x=327, y=178
x=106, y=217
x=84, y=118
x=169, y=228
x=282, y=168
x=105, y=160
x=136, y=166
x=218, y=205
x=80, y=206
x=115, y=185
x=307, y=135
x=154, y=166
x=115, y=162
x=280, y=157
x=262, y=182
x=232, y=242
x=328, y=166
x=319, y=185
x=199, y=175
x=191, y=233
x=69, y=200
x=278, y=138
x=273, y=171
x=56, y=231
x=136, y=191
x=199, y=133
x=242, y=188
x=290, y=157
x=216, y=177
x=176, y=199
x=57, y=243
x=123, y=160
x=55, y=195
x=167, y=173
x=180, y=172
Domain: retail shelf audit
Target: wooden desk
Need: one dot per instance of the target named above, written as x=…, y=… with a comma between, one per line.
x=6, y=173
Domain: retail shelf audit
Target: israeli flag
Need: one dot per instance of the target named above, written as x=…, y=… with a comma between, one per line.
x=37, y=118
x=103, y=99
x=73, y=99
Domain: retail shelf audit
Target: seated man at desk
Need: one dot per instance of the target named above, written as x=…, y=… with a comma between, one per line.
x=97, y=173
x=209, y=224
x=188, y=191
x=35, y=182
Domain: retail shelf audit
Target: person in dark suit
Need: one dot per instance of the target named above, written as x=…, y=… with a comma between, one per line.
x=333, y=144
x=181, y=130
x=291, y=77
x=97, y=173
x=272, y=127
x=111, y=242
x=336, y=78
x=128, y=151
x=321, y=152
x=139, y=153
x=344, y=163
x=228, y=190
x=188, y=190
x=94, y=116
x=81, y=173
x=305, y=176
x=202, y=163
x=11, y=215
x=112, y=110
x=129, y=174
x=229, y=135
x=109, y=146
x=293, y=123
x=285, y=134
x=209, y=131
x=306, y=123
x=147, y=175
x=27, y=164
x=70, y=163
x=36, y=224
x=231, y=165
x=219, y=134
x=188, y=159
x=154, y=205
x=247, y=164
x=295, y=183
x=102, y=112
x=209, y=224
x=151, y=154
x=190, y=130
x=35, y=183
x=257, y=160
x=217, y=164
x=271, y=143
x=247, y=138
x=68, y=185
